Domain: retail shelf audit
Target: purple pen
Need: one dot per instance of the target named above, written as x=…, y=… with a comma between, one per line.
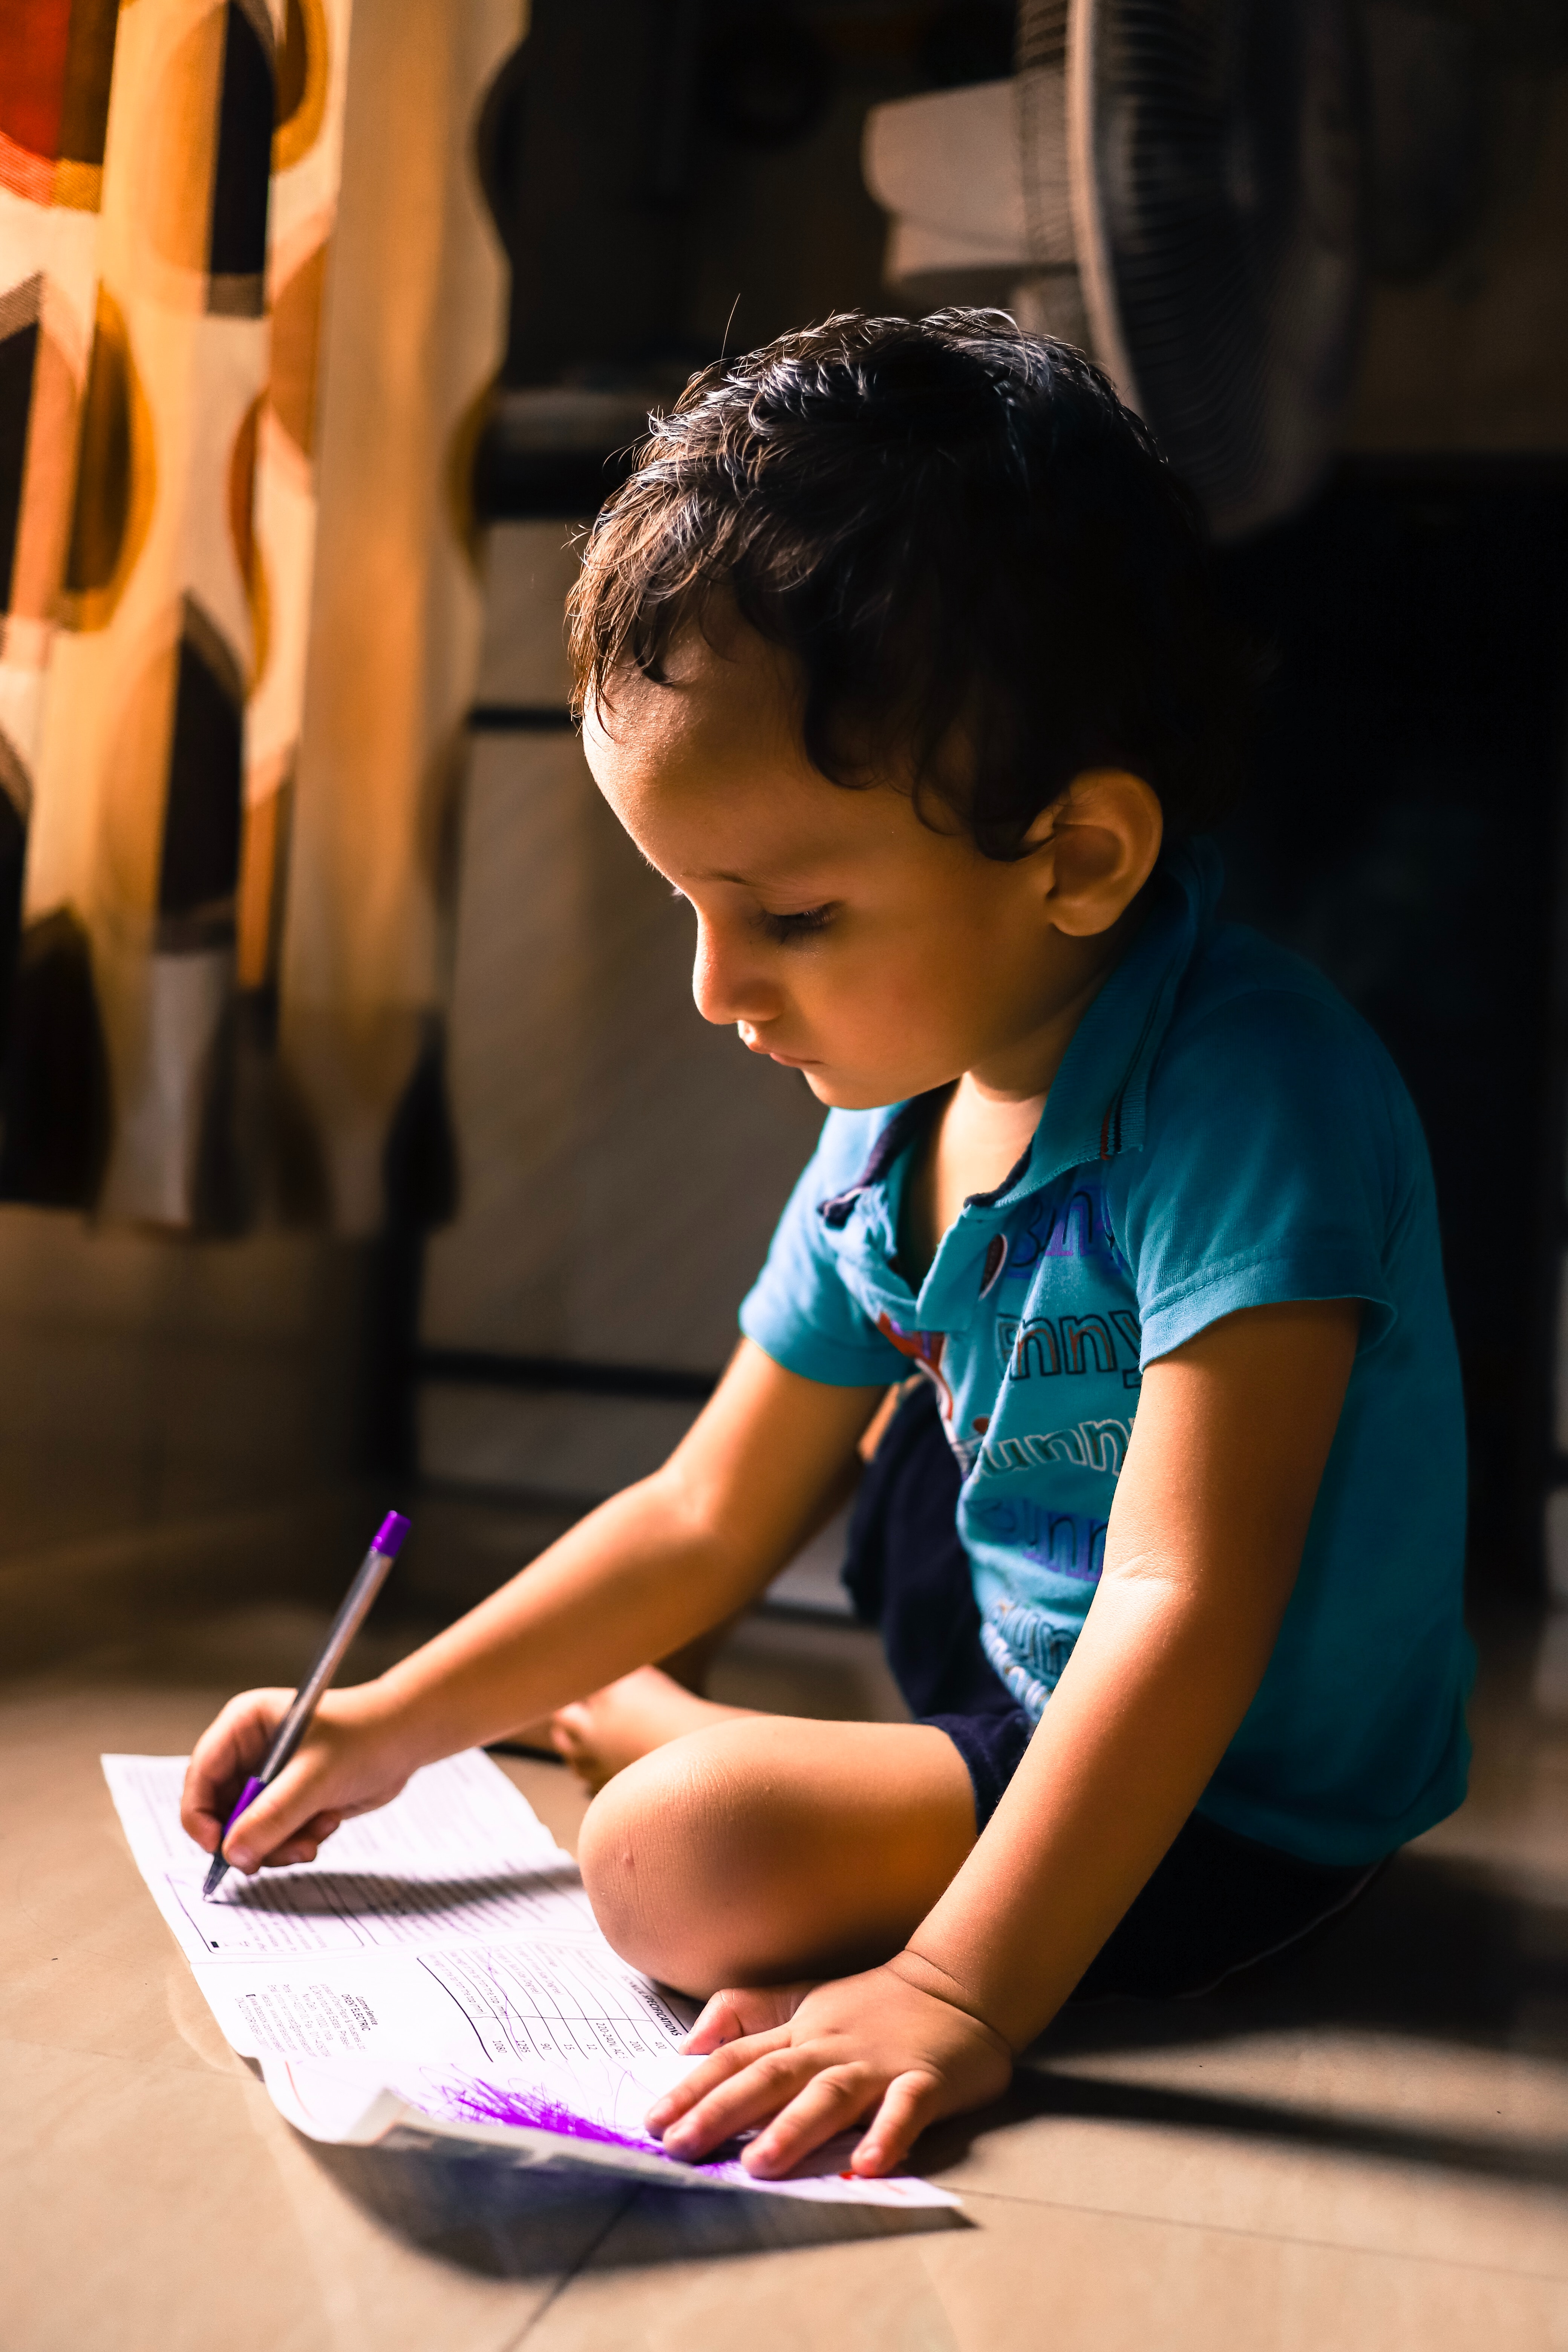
x=371, y=1575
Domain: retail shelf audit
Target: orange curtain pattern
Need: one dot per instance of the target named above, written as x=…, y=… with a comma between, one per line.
x=169, y=194
x=157, y=431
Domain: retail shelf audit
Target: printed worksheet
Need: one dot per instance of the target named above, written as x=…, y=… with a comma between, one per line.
x=459, y=1856
x=440, y=1978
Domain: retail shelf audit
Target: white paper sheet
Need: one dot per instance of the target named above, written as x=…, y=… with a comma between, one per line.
x=438, y=1976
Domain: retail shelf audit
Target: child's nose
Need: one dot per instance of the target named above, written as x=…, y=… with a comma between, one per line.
x=727, y=983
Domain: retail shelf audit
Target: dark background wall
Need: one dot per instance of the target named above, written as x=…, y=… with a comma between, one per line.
x=674, y=177
x=1403, y=831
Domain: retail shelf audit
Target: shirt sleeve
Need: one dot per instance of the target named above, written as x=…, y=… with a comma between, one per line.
x=1278, y=1164
x=801, y=1310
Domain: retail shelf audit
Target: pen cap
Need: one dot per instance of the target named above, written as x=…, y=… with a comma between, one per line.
x=389, y=1536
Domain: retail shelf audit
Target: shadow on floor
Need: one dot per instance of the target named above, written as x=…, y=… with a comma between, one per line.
x=1085, y=2097
x=1437, y=1951
x=1441, y=1949
x=504, y=2223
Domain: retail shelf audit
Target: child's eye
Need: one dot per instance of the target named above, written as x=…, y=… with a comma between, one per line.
x=784, y=928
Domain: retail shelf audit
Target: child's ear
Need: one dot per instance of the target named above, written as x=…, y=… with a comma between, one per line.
x=1098, y=845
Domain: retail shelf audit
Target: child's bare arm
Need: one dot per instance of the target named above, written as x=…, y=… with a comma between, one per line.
x=768, y=1459
x=1205, y=1537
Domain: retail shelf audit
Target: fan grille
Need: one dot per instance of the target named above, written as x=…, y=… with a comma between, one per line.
x=1223, y=260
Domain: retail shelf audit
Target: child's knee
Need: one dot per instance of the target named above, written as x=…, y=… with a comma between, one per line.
x=653, y=1861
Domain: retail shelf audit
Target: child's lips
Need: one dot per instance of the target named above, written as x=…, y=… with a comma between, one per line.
x=753, y=1043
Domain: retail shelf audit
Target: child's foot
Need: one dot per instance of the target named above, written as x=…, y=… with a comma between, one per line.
x=601, y=1735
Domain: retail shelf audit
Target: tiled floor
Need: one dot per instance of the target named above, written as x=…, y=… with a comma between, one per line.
x=1366, y=2150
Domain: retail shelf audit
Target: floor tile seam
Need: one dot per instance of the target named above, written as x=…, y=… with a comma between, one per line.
x=574, y=2269
x=1266, y=2237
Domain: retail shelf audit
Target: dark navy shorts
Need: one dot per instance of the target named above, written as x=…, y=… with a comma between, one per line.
x=1216, y=1901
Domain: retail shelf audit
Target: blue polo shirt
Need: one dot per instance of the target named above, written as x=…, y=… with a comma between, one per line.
x=1223, y=1132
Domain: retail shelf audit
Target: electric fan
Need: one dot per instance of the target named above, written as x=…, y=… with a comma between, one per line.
x=1176, y=184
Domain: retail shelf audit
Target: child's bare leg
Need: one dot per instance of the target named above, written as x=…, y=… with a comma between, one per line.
x=765, y=1848
x=612, y=1727
x=599, y=1736
x=690, y=1665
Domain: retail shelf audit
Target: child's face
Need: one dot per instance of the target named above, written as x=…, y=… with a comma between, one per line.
x=838, y=931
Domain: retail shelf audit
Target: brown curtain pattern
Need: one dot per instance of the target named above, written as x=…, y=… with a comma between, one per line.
x=61, y=354
x=168, y=191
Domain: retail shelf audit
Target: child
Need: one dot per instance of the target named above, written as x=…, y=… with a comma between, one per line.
x=895, y=659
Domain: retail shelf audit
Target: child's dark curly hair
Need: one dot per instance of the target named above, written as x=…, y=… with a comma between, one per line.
x=963, y=537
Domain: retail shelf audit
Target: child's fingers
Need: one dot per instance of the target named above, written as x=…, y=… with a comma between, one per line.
x=828, y=2103
x=743, y=2009
x=232, y=1746
x=732, y=2059
x=721, y=2021
x=285, y=1811
x=753, y=2095
x=305, y=1843
x=295, y=1849
x=908, y=2104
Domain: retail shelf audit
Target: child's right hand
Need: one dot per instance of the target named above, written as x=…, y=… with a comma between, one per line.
x=350, y=1761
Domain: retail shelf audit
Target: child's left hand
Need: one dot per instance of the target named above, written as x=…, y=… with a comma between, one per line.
x=817, y=2058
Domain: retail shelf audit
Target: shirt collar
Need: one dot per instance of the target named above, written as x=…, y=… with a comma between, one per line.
x=1096, y=1106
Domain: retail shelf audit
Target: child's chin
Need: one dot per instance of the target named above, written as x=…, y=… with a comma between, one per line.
x=845, y=1094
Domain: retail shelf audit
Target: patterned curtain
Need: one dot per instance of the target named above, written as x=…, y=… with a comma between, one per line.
x=56, y=338
x=414, y=336
x=169, y=187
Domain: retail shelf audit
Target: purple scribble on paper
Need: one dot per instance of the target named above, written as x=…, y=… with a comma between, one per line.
x=470, y=2100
